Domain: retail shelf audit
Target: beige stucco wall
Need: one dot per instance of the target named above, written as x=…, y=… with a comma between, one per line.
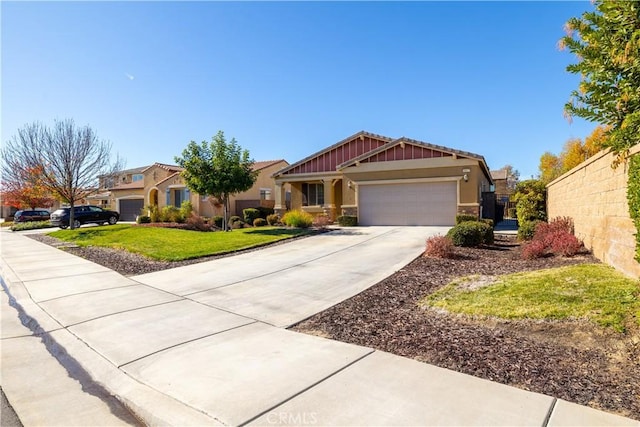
x=264, y=180
x=595, y=196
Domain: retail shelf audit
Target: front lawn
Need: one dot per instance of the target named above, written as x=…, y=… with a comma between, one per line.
x=590, y=291
x=166, y=244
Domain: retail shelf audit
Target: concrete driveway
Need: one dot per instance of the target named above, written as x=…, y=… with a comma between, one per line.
x=282, y=285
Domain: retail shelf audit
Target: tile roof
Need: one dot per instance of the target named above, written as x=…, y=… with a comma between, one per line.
x=499, y=174
x=266, y=163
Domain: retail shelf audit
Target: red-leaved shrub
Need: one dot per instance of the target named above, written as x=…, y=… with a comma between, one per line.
x=534, y=249
x=565, y=244
x=439, y=247
x=545, y=230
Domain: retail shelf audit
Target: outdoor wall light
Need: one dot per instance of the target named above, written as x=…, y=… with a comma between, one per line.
x=350, y=184
x=465, y=177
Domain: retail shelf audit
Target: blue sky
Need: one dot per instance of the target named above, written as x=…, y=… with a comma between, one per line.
x=287, y=79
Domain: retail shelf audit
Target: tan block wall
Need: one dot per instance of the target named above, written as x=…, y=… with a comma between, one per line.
x=595, y=196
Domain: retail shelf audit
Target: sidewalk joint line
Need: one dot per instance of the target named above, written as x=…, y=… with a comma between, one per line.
x=185, y=342
x=304, y=390
x=85, y=292
x=120, y=312
x=552, y=407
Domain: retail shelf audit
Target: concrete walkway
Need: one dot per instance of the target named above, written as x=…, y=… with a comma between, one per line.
x=204, y=344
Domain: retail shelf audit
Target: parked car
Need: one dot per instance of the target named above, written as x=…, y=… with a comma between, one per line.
x=31, y=215
x=84, y=215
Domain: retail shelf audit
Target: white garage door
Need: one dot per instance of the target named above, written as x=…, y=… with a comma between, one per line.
x=432, y=203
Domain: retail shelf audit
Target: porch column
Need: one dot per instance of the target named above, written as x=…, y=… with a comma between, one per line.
x=329, y=206
x=280, y=206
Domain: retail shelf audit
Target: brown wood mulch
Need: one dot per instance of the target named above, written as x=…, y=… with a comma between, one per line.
x=574, y=360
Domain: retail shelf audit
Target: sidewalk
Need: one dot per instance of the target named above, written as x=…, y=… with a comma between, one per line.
x=174, y=359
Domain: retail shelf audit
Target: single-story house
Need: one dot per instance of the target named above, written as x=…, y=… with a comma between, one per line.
x=386, y=181
x=132, y=190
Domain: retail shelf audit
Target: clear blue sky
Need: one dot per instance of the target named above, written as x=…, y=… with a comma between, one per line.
x=290, y=78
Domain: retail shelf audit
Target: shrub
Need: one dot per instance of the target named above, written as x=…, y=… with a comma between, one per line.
x=298, y=218
x=217, y=221
x=250, y=215
x=439, y=247
x=321, y=221
x=460, y=218
x=237, y=224
x=471, y=233
x=534, y=249
x=171, y=214
x=259, y=222
x=347, y=220
x=511, y=213
x=197, y=223
x=488, y=221
x=531, y=201
x=544, y=231
x=273, y=219
x=143, y=219
x=264, y=211
x=233, y=219
x=154, y=213
x=527, y=229
x=186, y=208
x=565, y=244
x=31, y=225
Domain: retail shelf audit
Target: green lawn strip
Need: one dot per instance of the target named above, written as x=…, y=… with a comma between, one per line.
x=167, y=244
x=589, y=291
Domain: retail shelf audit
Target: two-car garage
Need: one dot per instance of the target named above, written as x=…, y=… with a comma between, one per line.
x=407, y=203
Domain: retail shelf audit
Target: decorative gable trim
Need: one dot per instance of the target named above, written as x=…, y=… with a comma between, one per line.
x=327, y=160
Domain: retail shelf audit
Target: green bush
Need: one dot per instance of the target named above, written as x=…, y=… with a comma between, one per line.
x=264, y=211
x=154, y=213
x=233, y=219
x=31, y=225
x=531, y=201
x=273, y=219
x=217, y=221
x=237, y=224
x=185, y=209
x=633, y=197
x=143, y=219
x=347, y=220
x=511, y=213
x=259, y=222
x=250, y=215
x=527, y=229
x=460, y=218
x=487, y=221
x=471, y=234
x=171, y=214
x=298, y=218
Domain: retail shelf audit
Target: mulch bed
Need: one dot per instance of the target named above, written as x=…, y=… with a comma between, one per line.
x=575, y=361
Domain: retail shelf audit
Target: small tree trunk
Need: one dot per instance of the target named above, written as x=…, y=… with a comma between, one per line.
x=71, y=214
x=225, y=214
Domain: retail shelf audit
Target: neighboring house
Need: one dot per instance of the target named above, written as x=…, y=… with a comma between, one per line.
x=131, y=191
x=386, y=181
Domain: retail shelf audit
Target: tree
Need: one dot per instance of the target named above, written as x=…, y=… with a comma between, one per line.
x=606, y=42
x=513, y=176
x=69, y=157
x=219, y=169
x=29, y=192
x=550, y=167
x=531, y=201
x=573, y=153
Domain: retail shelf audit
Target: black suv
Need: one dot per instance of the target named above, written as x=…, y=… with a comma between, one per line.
x=84, y=215
x=31, y=215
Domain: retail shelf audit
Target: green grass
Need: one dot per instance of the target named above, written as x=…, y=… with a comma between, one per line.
x=30, y=225
x=172, y=244
x=590, y=291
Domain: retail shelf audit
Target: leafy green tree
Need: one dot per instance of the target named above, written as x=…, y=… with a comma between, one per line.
x=531, y=201
x=219, y=169
x=606, y=42
x=550, y=167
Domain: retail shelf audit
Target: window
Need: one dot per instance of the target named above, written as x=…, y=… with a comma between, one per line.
x=265, y=194
x=312, y=194
x=137, y=177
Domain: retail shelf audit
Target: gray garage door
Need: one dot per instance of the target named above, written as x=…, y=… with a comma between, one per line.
x=130, y=209
x=433, y=203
